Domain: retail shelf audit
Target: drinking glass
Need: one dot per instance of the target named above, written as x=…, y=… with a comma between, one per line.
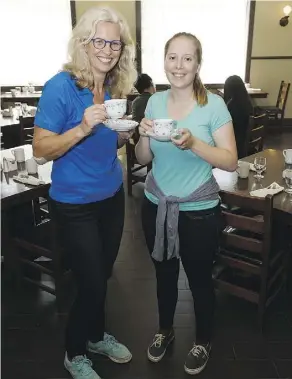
x=260, y=164
x=288, y=180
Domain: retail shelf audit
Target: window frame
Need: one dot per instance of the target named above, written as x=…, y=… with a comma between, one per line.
x=7, y=88
x=160, y=86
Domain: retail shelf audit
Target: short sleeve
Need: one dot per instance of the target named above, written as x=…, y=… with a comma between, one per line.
x=148, y=110
x=220, y=114
x=52, y=112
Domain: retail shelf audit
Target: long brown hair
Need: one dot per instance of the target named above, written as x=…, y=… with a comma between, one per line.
x=200, y=91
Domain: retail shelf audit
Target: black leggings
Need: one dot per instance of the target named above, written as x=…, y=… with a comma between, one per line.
x=92, y=234
x=198, y=236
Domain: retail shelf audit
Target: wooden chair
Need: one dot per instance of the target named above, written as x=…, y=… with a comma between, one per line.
x=26, y=130
x=135, y=171
x=277, y=112
x=254, y=267
x=39, y=205
x=35, y=242
x=2, y=142
x=256, y=134
x=216, y=92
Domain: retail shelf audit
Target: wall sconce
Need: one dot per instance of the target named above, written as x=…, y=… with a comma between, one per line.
x=285, y=20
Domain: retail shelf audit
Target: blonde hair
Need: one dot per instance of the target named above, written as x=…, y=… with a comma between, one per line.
x=200, y=91
x=119, y=81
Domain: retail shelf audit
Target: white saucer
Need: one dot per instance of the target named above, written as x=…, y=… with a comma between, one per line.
x=158, y=138
x=121, y=125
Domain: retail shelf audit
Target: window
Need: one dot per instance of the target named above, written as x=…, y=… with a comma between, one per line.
x=34, y=36
x=221, y=26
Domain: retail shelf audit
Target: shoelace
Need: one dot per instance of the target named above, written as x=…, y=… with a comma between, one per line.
x=158, y=339
x=82, y=364
x=198, y=349
x=110, y=341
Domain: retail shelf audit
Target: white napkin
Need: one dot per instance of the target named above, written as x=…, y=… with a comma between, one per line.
x=28, y=179
x=272, y=189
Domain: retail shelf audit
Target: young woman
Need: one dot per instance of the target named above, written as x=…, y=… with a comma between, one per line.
x=240, y=107
x=180, y=213
x=87, y=185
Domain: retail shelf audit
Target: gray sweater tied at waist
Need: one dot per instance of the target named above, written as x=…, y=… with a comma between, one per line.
x=168, y=207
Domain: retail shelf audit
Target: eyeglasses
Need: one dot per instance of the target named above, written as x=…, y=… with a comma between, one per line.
x=99, y=43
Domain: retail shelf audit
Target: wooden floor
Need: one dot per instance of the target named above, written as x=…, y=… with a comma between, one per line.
x=32, y=332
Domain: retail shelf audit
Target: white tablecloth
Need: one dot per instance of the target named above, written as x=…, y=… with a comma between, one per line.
x=43, y=170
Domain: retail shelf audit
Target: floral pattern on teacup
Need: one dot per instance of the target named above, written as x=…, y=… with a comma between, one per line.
x=116, y=109
x=163, y=127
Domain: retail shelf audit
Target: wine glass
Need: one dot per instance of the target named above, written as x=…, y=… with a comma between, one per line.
x=288, y=180
x=260, y=164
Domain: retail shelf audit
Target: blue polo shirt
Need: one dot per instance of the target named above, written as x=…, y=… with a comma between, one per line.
x=90, y=171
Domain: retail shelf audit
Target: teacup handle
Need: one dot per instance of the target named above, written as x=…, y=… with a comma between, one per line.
x=284, y=153
x=176, y=134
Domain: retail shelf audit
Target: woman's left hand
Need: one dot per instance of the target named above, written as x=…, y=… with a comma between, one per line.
x=185, y=141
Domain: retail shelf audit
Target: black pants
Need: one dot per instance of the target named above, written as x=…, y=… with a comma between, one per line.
x=92, y=235
x=198, y=235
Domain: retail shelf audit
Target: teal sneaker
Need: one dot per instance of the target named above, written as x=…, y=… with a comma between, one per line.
x=110, y=347
x=80, y=367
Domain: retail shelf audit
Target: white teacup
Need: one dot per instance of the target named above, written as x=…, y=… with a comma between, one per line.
x=164, y=127
x=243, y=169
x=31, y=166
x=116, y=108
x=288, y=155
x=14, y=92
x=19, y=154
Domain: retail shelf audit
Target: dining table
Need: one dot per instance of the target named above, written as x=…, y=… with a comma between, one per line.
x=21, y=96
x=14, y=193
x=8, y=121
x=256, y=93
x=16, y=197
x=230, y=182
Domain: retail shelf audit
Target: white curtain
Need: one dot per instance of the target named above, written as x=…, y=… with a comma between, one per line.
x=34, y=36
x=221, y=26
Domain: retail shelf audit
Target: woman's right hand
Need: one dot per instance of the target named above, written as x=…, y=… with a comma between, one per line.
x=93, y=115
x=145, y=125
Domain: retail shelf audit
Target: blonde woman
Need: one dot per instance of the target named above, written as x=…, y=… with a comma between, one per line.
x=87, y=195
x=181, y=194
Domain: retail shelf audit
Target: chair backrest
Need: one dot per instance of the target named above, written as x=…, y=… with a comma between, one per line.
x=283, y=95
x=249, y=227
x=216, y=92
x=26, y=129
x=2, y=142
x=256, y=133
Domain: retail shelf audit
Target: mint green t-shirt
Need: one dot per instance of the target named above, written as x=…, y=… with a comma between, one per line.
x=180, y=172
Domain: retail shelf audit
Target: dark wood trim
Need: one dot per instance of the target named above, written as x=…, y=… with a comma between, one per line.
x=287, y=122
x=73, y=13
x=273, y=126
x=162, y=87
x=273, y=57
x=138, y=36
x=252, y=7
